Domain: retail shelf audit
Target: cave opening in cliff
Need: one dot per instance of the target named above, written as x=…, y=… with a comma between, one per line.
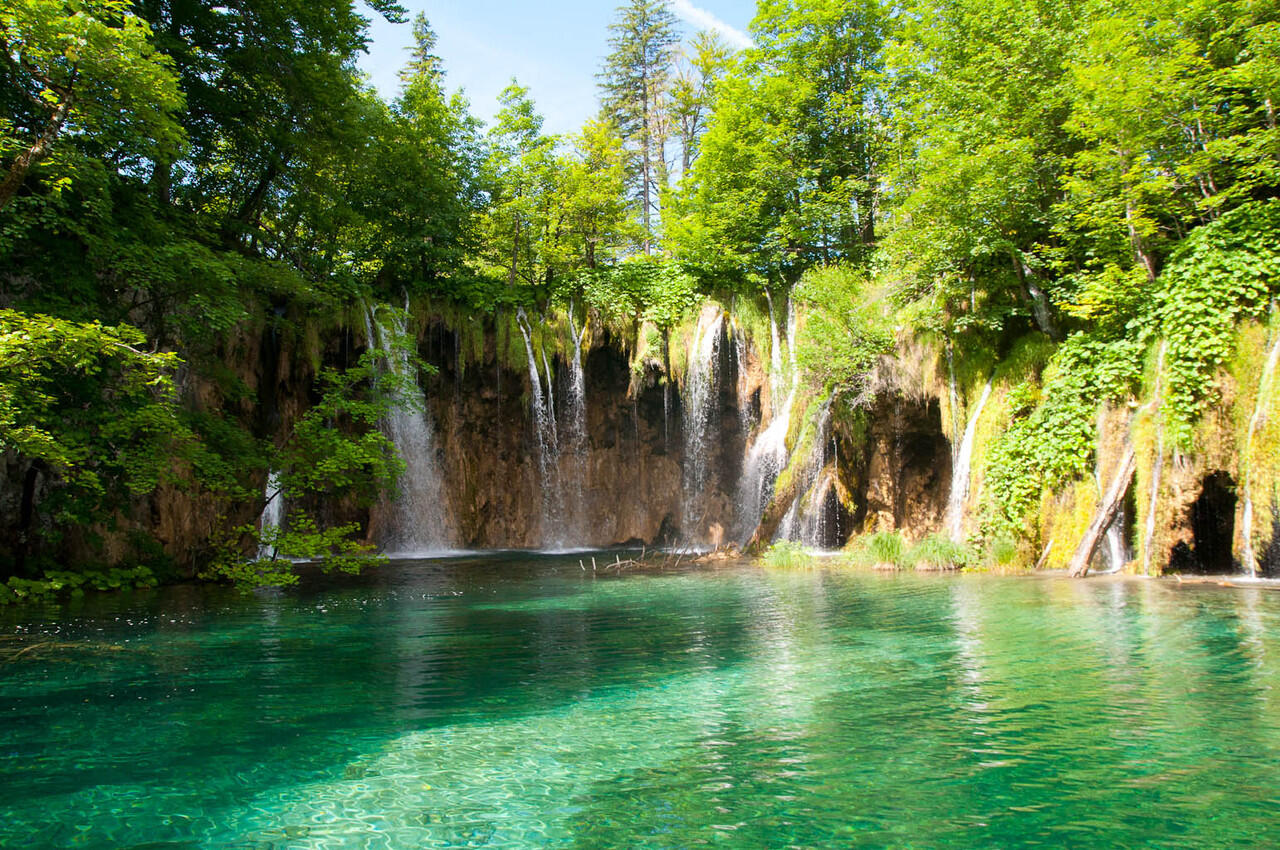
x=1213, y=523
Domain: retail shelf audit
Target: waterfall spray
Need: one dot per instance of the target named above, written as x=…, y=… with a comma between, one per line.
x=544, y=422
x=767, y=456
x=960, y=469
x=1157, y=468
x=701, y=406
x=806, y=518
x=272, y=519
x=1248, y=555
x=575, y=437
x=421, y=525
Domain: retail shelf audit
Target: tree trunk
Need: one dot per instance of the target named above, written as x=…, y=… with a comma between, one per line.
x=38, y=151
x=1106, y=514
x=26, y=518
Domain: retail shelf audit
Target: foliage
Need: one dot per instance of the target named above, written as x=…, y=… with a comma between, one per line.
x=1051, y=439
x=88, y=410
x=56, y=583
x=845, y=330
x=334, y=549
x=88, y=71
x=1223, y=273
x=884, y=548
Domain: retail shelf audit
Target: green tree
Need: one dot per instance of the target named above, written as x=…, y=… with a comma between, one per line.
x=636, y=82
x=88, y=72
x=698, y=68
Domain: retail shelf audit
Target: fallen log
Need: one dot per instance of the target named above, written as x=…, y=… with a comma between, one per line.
x=1106, y=514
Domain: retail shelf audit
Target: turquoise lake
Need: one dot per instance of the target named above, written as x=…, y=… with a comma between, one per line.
x=516, y=701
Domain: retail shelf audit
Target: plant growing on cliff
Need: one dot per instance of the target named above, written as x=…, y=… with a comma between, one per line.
x=90, y=415
x=1051, y=439
x=845, y=330
x=335, y=451
x=1223, y=273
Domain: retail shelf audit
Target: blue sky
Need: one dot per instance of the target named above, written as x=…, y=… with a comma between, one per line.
x=555, y=47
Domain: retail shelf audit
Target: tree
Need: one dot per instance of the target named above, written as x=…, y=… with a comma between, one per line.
x=520, y=173
x=591, y=197
x=87, y=410
x=693, y=93
x=789, y=170
x=635, y=84
x=89, y=70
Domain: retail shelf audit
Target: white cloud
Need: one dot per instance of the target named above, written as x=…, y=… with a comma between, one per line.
x=704, y=20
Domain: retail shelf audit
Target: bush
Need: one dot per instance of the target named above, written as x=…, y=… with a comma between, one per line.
x=58, y=582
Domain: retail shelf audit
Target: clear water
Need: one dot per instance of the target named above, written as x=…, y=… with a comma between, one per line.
x=517, y=701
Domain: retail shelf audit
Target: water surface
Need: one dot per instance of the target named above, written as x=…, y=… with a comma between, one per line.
x=520, y=702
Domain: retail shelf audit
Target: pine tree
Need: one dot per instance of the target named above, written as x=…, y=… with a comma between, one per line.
x=636, y=84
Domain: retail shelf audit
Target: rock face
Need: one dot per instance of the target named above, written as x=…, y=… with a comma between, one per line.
x=625, y=487
x=623, y=484
x=905, y=470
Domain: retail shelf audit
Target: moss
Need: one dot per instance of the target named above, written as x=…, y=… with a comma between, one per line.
x=1256, y=419
x=1064, y=518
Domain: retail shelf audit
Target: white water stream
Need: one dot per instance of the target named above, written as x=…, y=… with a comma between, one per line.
x=960, y=469
x=768, y=456
x=420, y=523
x=701, y=419
x=272, y=518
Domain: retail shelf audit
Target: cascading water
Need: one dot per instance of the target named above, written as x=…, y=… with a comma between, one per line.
x=767, y=456
x=544, y=423
x=744, y=379
x=776, y=378
x=701, y=406
x=575, y=438
x=813, y=530
x=960, y=468
x=421, y=524
x=272, y=518
x=1248, y=555
x=805, y=519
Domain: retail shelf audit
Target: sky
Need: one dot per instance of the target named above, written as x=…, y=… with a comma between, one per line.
x=554, y=47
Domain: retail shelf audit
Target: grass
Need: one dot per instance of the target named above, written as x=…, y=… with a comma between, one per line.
x=787, y=555
x=882, y=550
x=938, y=552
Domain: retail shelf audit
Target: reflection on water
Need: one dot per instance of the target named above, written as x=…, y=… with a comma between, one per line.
x=516, y=701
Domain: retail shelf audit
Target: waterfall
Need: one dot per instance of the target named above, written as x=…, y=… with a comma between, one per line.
x=960, y=468
x=1157, y=467
x=775, y=354
x=1248, y=556
x=805, y=520
x=813, y=531
x=767, y=456
x=421, y=525
x=1114, y=551
x=576, y=437
x=955, y=404
x=272, y=518
x=544, y=423
x=701, y=420
x=744, y=400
